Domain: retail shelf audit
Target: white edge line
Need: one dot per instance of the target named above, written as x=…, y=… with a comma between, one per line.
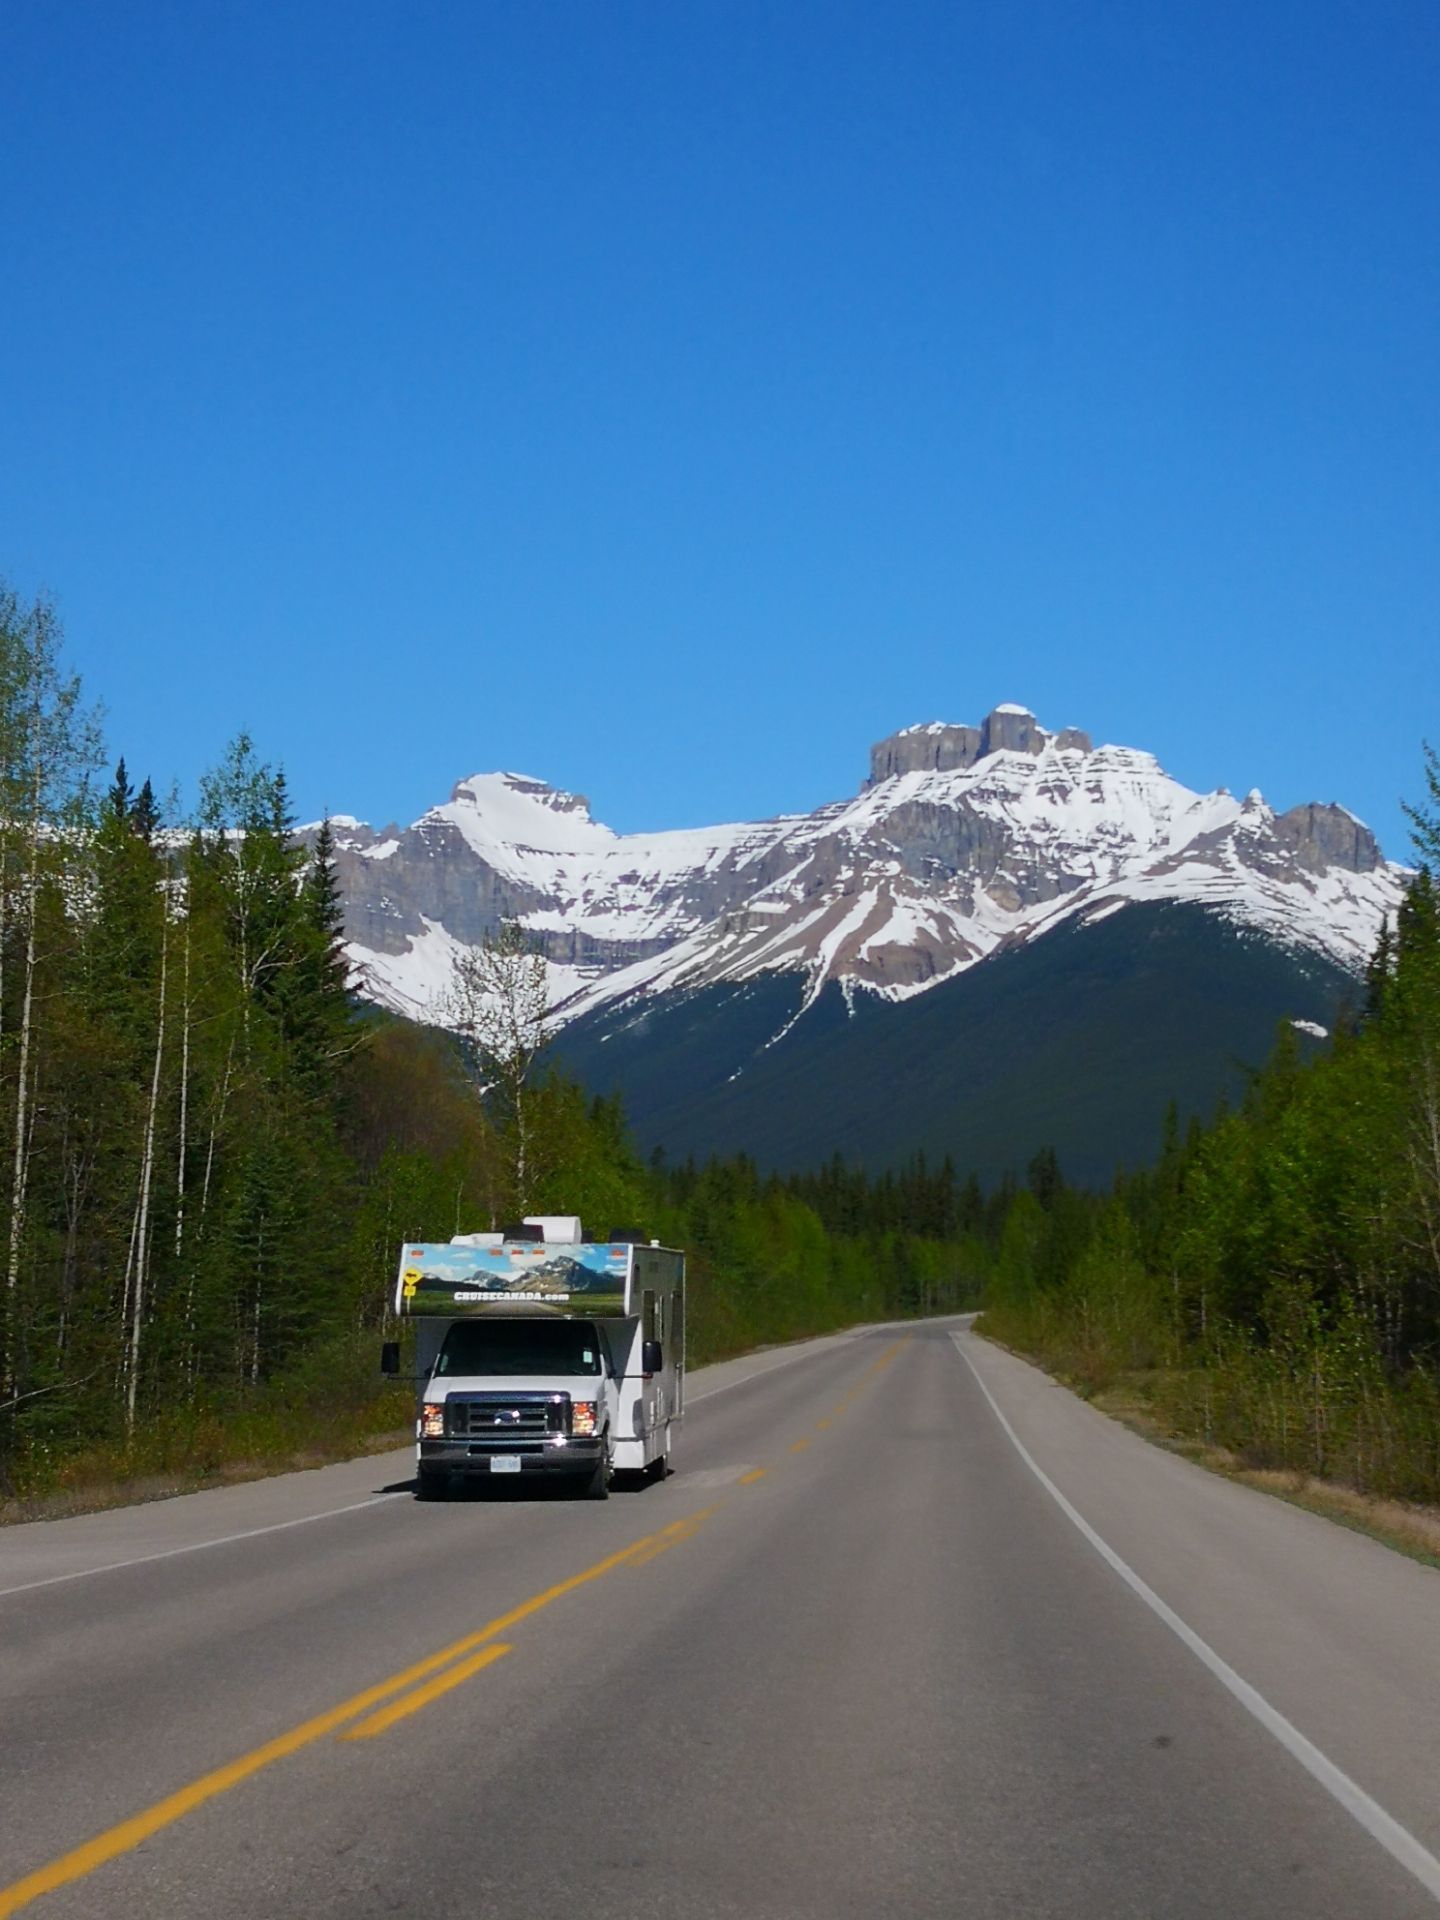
x=1397, y=1841
x=195, y=1546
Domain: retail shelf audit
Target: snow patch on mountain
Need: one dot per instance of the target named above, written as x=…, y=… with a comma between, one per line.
x=417, y=983
x=964, y=841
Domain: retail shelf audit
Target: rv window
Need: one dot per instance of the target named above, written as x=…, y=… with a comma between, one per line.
x=520, y=1346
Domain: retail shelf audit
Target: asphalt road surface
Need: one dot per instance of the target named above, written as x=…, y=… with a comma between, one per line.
x=910, y=1631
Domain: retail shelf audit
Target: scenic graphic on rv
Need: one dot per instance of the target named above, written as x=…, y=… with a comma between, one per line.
x=440, y=1279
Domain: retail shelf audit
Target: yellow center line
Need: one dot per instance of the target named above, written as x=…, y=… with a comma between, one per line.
x=422, y=1696
x=672, y=1536
x=663, y=1546
x=842, y=1406
x=131, y=1833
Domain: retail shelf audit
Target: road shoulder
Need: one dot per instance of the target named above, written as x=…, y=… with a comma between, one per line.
x=1341, y=1635
x=1403, y=1526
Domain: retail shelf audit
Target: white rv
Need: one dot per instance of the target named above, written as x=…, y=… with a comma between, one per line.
x=538, y=1351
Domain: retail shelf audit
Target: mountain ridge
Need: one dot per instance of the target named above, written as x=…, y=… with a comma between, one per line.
x=963, y=842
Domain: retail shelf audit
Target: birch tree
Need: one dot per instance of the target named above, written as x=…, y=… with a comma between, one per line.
x=140, y=1239
x=49, y=747
x=498, y=1001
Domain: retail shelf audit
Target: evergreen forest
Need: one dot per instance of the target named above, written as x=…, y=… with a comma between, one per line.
x=1271, y=1284
x=212, y=1152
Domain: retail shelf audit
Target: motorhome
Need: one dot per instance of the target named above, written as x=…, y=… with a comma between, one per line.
x=538, y=1351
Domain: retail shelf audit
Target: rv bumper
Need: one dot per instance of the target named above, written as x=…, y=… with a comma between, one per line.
x=557, y=1455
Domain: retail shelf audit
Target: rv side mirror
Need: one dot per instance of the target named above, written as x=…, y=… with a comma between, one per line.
x=652, y=1360
x=390, y=1357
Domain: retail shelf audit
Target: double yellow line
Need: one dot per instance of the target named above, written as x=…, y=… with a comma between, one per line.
x=428, y=1678
x=377, y=1708
x=824, y=1425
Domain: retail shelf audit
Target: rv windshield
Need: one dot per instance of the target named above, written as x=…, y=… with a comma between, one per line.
x=520, y=1346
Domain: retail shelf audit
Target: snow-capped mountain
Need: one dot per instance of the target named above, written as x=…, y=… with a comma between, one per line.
x=964, y=841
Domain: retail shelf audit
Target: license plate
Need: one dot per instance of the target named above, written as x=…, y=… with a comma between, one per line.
x=504, y=1463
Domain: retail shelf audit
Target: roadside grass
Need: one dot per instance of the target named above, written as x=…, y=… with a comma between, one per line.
x=332, y=1406
x=213, y=1448
x=1145, y=1400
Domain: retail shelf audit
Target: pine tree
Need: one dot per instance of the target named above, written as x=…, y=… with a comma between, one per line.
x=145, y=814
x=1043, y=1178
x=318, y=1015
x=117, y=801
x=1424, y=817
x=1378, y=971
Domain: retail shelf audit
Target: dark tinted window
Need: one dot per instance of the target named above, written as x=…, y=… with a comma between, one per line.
x=520, y=1346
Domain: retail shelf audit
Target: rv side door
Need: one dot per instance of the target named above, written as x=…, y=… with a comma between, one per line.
x=653, y=1335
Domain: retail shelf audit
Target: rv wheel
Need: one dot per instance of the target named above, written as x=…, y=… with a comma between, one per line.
x=431, y=1483
x=597, y=1487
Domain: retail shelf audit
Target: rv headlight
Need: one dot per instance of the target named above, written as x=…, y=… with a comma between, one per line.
x=432, y=1420
x=582, y=1416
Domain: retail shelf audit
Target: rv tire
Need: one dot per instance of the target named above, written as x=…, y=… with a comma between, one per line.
x=597, y=1486
x=431, y=1483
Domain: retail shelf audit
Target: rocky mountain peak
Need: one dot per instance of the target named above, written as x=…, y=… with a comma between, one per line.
x=938, y=747
x=1011, y=729
x=1322, y=835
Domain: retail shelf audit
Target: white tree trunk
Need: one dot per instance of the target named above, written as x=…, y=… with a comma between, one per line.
x=184, y=1100
x=122, y=1363
x=142, y=1212
x=216, y=1116
x=21, y=1157
x=4, y=917
x=498, y=998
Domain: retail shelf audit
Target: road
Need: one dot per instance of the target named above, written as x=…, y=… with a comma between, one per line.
x=855, y=1657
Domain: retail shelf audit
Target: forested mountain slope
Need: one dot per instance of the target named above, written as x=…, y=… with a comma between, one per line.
x=1009, y=938
x=1078, y=1041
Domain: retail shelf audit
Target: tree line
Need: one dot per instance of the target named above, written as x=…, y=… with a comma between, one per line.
x=173, y=1023
x=774, y=1258
x=1272, y=1284
x=210, y=1150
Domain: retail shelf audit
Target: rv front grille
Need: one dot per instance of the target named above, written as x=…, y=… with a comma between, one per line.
x=505, y=1421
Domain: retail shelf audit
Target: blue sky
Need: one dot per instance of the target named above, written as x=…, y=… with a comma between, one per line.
x=669, y=400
